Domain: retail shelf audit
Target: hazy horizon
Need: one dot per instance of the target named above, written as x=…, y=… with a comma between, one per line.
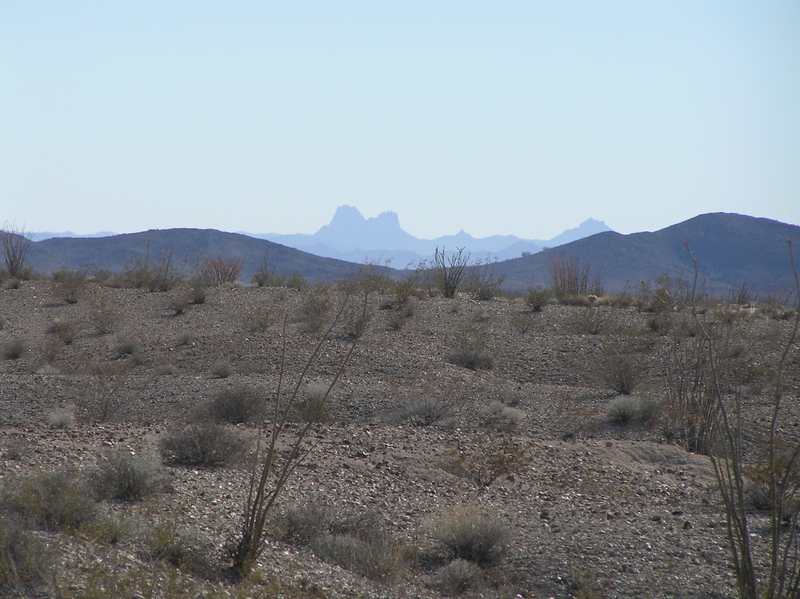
x=497, y=118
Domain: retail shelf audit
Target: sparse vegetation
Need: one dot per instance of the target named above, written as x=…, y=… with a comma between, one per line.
x=471, y=349
x=424, y=411
x=51, y=501
x=621, y=369
x=25, y=561
x=221, y=369
x=445, y=273
x=234, y=406
x=70, y=284
x=13, y=349
x=16, y=242
x=537, y=297
x=121, y=476
x=466, y=533
x=221, y=270
x=207, y=445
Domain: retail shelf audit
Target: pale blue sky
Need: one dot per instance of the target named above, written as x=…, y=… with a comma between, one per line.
x=519, y=118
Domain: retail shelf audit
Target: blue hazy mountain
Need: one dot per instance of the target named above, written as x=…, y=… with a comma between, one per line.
x=349, y=236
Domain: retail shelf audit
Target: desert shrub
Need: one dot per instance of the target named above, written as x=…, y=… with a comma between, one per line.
x=183, y=550
x=621, y=370
x=16, y=450
x=121, y=476
x=13, y=349
x=234, y=406
x=467, y=534
x=376, y=556
x=591, y=320
x=457, y=577
x=16, y=242
x=481, y=282
x=522, y=322
x=198, y=288
x=25, y=561
x=260, y=319
x=353, y=540
x=623, y=410
x=185, y=339
x=485, y=458
x=221, y=369
x=424, y=411
x=355, y=319
x=445, y=273
x=102, y=317
x=404, y=289
x=52, y=501
x=314, y=311
x=297, y=281
x=372, y=277
x=69, y=284
x=98, y=397
x=208, y=445
x=399, y=317
x=159, y=275
x=63, y=330
x=499, y=417
x=125, y=347
x=178, y=303
x=568, y=277
x=221, y=270
x=2, y=323
x=470, y=349
x=265, y=277
x=60, y=418
x=300, y=524
x=310, y=405
x=536, y=298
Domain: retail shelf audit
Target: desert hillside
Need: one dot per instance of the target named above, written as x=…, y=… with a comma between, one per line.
x=547, y=427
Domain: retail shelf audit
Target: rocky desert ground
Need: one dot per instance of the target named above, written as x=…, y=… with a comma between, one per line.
x=450, y=412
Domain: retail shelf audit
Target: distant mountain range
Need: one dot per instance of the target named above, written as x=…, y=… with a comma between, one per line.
x=730, y=249
x=351, y=237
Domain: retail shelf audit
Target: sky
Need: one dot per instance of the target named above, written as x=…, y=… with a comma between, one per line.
x=497, y=117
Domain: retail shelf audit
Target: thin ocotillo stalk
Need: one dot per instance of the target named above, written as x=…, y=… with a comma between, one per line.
x=779, y=570
x=261, y=496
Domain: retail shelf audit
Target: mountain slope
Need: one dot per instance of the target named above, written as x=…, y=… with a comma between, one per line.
x=187, y=247
x=729, y=248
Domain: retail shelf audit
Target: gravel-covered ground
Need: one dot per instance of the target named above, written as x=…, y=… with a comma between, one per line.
x=592, y=508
